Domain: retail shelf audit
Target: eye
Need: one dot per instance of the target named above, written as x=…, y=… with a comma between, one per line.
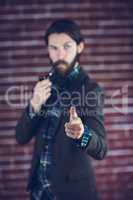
x=67, y=46
x=53, y=47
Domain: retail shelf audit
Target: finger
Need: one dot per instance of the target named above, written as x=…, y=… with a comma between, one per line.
x=73, y=113
x=48, y=95
x=44, y=83
x=73, y=133
x=45, y=86
x=41, y=91
x=76, y=127
x=67, y=130
x=39, y=97
x=66, y=125
x=76, y=134
x=70, y=135
x=46, y=90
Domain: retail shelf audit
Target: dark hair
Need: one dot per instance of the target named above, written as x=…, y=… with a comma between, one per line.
x=65, y=26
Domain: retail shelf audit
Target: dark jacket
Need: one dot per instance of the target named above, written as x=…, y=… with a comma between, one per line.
x=72, y=176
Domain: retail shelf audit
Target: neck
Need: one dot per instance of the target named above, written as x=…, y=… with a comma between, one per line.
x=56, y=78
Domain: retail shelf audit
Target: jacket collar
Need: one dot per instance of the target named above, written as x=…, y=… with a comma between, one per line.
x=73, y=80
x=77, y=79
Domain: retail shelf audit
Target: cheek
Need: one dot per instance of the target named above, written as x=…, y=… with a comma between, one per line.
x=53, y=55
x=72, y=55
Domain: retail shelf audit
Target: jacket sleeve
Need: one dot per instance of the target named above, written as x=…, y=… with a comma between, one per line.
x=27, y=125
x=94, y=120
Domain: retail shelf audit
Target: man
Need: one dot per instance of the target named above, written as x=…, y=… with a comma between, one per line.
x=65, y=117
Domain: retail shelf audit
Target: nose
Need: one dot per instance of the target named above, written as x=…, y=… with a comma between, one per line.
x=61, y=54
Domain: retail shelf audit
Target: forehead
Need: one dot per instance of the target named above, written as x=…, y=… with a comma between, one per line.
x=59, y=39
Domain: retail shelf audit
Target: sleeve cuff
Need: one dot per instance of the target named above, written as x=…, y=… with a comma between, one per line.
x=85, y=139
x=31, y=112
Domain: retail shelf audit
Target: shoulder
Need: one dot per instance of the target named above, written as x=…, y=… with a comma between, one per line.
x=91, y=84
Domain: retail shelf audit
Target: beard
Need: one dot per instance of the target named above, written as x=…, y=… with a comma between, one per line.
x=63, y=68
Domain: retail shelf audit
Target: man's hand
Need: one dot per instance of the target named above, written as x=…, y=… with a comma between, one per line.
x=74, y=128
x=42, y=92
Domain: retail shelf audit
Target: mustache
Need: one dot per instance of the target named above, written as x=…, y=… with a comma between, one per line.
x=60, y=62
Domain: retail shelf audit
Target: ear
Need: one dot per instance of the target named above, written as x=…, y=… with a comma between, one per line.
x=80, y=47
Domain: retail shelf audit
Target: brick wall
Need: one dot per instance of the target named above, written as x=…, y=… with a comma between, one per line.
x=108, y=29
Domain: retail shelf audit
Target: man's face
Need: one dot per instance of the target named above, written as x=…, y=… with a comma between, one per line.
x=63, y=51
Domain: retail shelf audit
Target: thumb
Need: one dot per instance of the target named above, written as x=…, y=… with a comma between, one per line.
x=73, y=113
